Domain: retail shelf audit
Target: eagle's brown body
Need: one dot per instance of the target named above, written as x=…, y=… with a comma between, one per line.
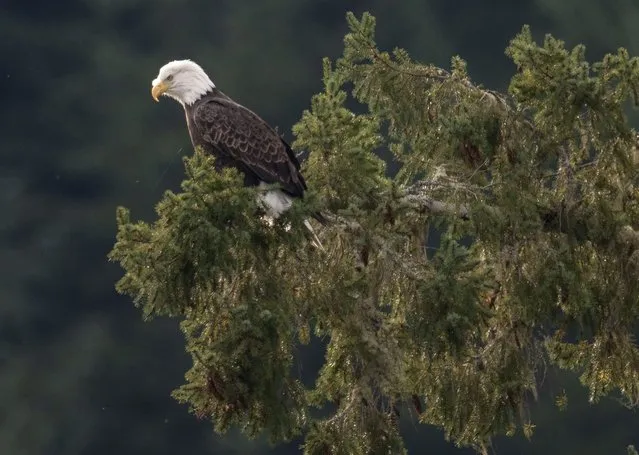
x=239, y=138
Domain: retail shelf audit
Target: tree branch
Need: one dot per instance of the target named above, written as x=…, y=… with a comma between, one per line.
x=418, y=197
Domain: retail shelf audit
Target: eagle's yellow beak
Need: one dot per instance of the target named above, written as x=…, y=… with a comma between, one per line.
x=158, y=89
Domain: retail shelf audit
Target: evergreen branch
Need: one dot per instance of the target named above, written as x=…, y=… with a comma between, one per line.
x=418, y=198
x=433, y=73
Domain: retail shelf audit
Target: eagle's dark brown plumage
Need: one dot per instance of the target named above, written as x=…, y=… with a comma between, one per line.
x=239, y=138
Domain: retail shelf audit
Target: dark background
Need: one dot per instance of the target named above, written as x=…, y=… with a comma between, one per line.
x=80, y=373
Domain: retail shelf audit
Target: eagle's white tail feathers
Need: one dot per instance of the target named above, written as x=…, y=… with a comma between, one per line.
x=275, y=203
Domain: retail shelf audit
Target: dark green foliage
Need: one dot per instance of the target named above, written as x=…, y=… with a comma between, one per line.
x=534, y=193
x=210, y=258
x=341, y=141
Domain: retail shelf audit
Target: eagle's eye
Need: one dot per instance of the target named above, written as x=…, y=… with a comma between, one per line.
x=169, y=77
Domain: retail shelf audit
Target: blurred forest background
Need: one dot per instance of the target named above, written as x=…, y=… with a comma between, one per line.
x=80, y=373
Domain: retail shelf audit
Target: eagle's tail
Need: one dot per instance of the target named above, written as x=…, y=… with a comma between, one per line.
x=275, y=202
x=315, y=239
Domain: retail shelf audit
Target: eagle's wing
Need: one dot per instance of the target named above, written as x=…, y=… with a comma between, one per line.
x=245, y=137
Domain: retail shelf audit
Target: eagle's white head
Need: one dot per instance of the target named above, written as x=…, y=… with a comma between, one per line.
x=182, y=80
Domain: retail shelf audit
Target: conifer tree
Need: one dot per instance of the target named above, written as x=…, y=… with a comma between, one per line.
x=533, y=193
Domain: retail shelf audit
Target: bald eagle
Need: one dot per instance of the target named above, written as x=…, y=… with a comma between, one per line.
x=235, y=135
